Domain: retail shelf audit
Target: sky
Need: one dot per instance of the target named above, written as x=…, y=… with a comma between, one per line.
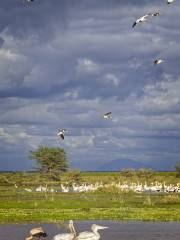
x=63, y=63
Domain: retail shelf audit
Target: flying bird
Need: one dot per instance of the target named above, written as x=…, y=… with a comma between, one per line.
x=169, y=1
x=107, y=115
x=94, y=235
x=141, y=19
x=158, y=61
x=28, y=1
x=155, y=14
x=61, y=133
x=67, y=236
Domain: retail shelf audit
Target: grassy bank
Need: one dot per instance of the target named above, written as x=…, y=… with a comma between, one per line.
x=17, y=206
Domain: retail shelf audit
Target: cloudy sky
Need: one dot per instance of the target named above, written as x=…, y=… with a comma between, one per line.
x=63, y=63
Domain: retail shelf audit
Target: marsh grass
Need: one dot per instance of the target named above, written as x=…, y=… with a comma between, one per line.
x=16, y=205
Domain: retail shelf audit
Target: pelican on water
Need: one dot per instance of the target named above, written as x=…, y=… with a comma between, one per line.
x=67, y=236
x=61, y=133
x=169, y=1
x=107, y=115
x=158, y=61
x=141, y=19
x=94, y=235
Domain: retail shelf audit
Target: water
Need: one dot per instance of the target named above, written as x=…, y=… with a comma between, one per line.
x=116, y=230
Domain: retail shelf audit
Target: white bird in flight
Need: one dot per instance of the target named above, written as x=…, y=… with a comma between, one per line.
x=158, y=61
x=107, y=115
x=145, y=17
x=61, y=133
x=94, y=235
x=170, y=1
x=28, y=0
x=141, y=19
x=67, y=236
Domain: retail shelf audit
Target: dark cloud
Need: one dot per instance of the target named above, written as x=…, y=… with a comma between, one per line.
x=65, y=63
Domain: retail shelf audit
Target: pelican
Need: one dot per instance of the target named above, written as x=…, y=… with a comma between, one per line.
x=67, y=236
x=94, y=235
x=107, y=115
x=141, y=19
x=158, y=61
x=61, y=133
x=169, y=1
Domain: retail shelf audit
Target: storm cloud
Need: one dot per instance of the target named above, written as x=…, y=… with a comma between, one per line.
x=64, y=63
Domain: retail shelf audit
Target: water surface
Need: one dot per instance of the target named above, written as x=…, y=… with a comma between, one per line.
x=116, y=230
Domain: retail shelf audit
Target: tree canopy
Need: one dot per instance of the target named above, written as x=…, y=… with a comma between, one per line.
x=50, y=160
x=177, y=167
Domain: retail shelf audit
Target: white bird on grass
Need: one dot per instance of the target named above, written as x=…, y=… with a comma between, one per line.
x=67, y=236
x=107, y=115
x=94, y=235
x=169, y=1
x=158, y=61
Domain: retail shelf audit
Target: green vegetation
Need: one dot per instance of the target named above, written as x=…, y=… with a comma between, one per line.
x=177, y=167
x=50, y=160
x=17, y=205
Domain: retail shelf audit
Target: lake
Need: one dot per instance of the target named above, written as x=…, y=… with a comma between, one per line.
x=117, y=230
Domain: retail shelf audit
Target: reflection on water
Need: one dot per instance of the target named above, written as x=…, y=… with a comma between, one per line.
x=116, y=230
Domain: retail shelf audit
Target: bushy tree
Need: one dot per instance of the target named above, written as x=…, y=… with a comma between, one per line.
x=128, y=172
x=145, y=173
x=74, y=176
x=50, y=160
x=177, y=167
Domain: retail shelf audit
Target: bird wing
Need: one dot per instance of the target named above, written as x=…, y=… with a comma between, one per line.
x=63, y=236
x=85, y=235
x=109, y=113
x=62, y=136
x=134, y=24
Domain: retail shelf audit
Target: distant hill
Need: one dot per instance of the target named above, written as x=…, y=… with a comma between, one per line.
x=119, y=164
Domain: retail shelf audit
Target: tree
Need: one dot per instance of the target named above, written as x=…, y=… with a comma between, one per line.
x=50, y=160
x=177, y=167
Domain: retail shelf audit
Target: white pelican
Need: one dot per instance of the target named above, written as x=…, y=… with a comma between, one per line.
x=107, y=115
x=67, y=236
x=94, y=235
x=158, y=61
x=141, y=19
x=170, y=1
x=61, y=133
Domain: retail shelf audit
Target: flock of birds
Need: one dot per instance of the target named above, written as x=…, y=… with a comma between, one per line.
x=137, y=187
x=61, y=132
x=39, y=234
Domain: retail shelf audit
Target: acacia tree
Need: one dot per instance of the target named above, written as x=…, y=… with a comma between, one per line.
x=177, y=167
x=50, y=160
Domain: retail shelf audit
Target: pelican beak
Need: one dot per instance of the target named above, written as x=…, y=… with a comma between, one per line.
x=101, y=227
